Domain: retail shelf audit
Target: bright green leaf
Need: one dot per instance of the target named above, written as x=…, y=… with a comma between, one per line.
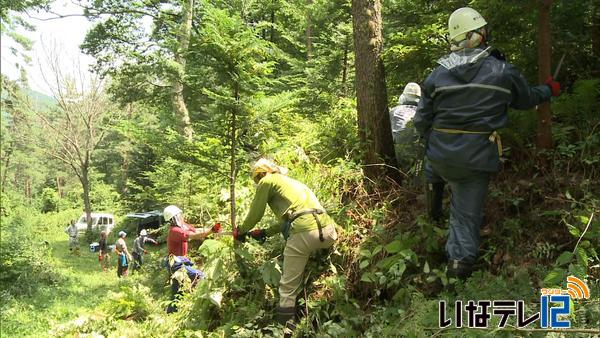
x=564, y=258
x=555, y=277
x=366, y=277
x=364, y=264
x=393, y=247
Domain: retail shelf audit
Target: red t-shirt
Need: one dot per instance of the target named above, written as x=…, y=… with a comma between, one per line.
x=177, y=240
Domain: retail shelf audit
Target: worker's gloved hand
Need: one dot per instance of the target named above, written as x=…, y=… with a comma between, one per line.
x=553, y=85
x=216, y=228
x=240, y=237
x=259, y=235
x=145, y=252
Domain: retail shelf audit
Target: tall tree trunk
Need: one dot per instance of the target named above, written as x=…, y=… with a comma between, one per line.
x=544, y=127
x=6, y=163
x=177, y=98
x=126, y=158
x=596, y=38
x=28, y=188
x=373, y=121
x=59, y=187
x=309, y=30
x=232, y=154
x=272, y=36
x=125, y=174
x=345, y=66
x=87, y=205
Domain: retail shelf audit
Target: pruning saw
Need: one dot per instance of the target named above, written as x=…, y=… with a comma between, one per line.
x=559, y=65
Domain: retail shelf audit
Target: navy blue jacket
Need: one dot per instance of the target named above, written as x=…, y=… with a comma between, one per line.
x=471, y=91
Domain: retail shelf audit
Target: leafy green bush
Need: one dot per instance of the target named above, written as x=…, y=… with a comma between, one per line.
x=25, y=256
x=50, y=200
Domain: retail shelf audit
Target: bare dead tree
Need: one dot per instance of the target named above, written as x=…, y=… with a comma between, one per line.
x=78, y=123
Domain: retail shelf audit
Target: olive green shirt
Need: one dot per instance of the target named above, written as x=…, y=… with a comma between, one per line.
x=283, y=193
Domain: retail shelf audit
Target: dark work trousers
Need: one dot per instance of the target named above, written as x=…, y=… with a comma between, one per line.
x=175, y=295
x=138, y=260
x=469, y=189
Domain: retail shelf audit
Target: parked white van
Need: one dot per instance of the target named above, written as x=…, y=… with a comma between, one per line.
x=99, y=221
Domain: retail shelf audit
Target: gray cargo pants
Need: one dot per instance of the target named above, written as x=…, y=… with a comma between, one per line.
x=469, y=189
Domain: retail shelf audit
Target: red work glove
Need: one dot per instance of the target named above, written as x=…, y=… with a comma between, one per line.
x=239, y=236
x=259, y=235
x=216, y=228
x=553, y=85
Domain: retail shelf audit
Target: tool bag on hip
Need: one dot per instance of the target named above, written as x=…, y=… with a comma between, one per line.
x=290, y=216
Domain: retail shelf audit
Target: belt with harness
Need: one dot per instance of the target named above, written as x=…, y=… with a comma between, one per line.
x=494, y=136
x=290, y=216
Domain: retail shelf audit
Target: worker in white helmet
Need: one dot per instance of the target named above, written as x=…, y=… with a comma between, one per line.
x=463, y=102
x=138, y=248
x=404, y=135
x=180, y=232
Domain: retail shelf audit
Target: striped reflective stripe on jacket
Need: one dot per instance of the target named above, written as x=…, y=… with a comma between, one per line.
x=469, y=85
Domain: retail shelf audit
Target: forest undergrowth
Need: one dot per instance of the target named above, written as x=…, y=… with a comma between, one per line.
x=385, y=276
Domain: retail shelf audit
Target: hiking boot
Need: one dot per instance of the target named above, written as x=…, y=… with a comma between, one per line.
x=459, y=269
x=286, y=317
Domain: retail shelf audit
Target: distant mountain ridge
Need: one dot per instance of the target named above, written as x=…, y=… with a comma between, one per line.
x=40, y=100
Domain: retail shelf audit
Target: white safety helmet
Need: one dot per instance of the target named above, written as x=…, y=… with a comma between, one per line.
x=462, y=21
x=122, y=234
x=412, y=89
x=170, y=212
x=411, y=93
x=143, y=232
x=264, y=165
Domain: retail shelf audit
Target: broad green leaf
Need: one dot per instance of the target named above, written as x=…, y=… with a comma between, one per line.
x=398, y=269
x=367, y=277
x=426, y=267
x=582, y=257
x=583, y=219
x=271, y=272
x=573, y=230
x=564, y=258
x=555, y=277
x=211, y=247
x=364, y=264
x=387, y=262
x=409, y=254
x=377, y=250
x=365, y=253
x=393, y=247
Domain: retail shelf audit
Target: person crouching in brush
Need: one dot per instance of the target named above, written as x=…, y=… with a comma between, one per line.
x=305, y=226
